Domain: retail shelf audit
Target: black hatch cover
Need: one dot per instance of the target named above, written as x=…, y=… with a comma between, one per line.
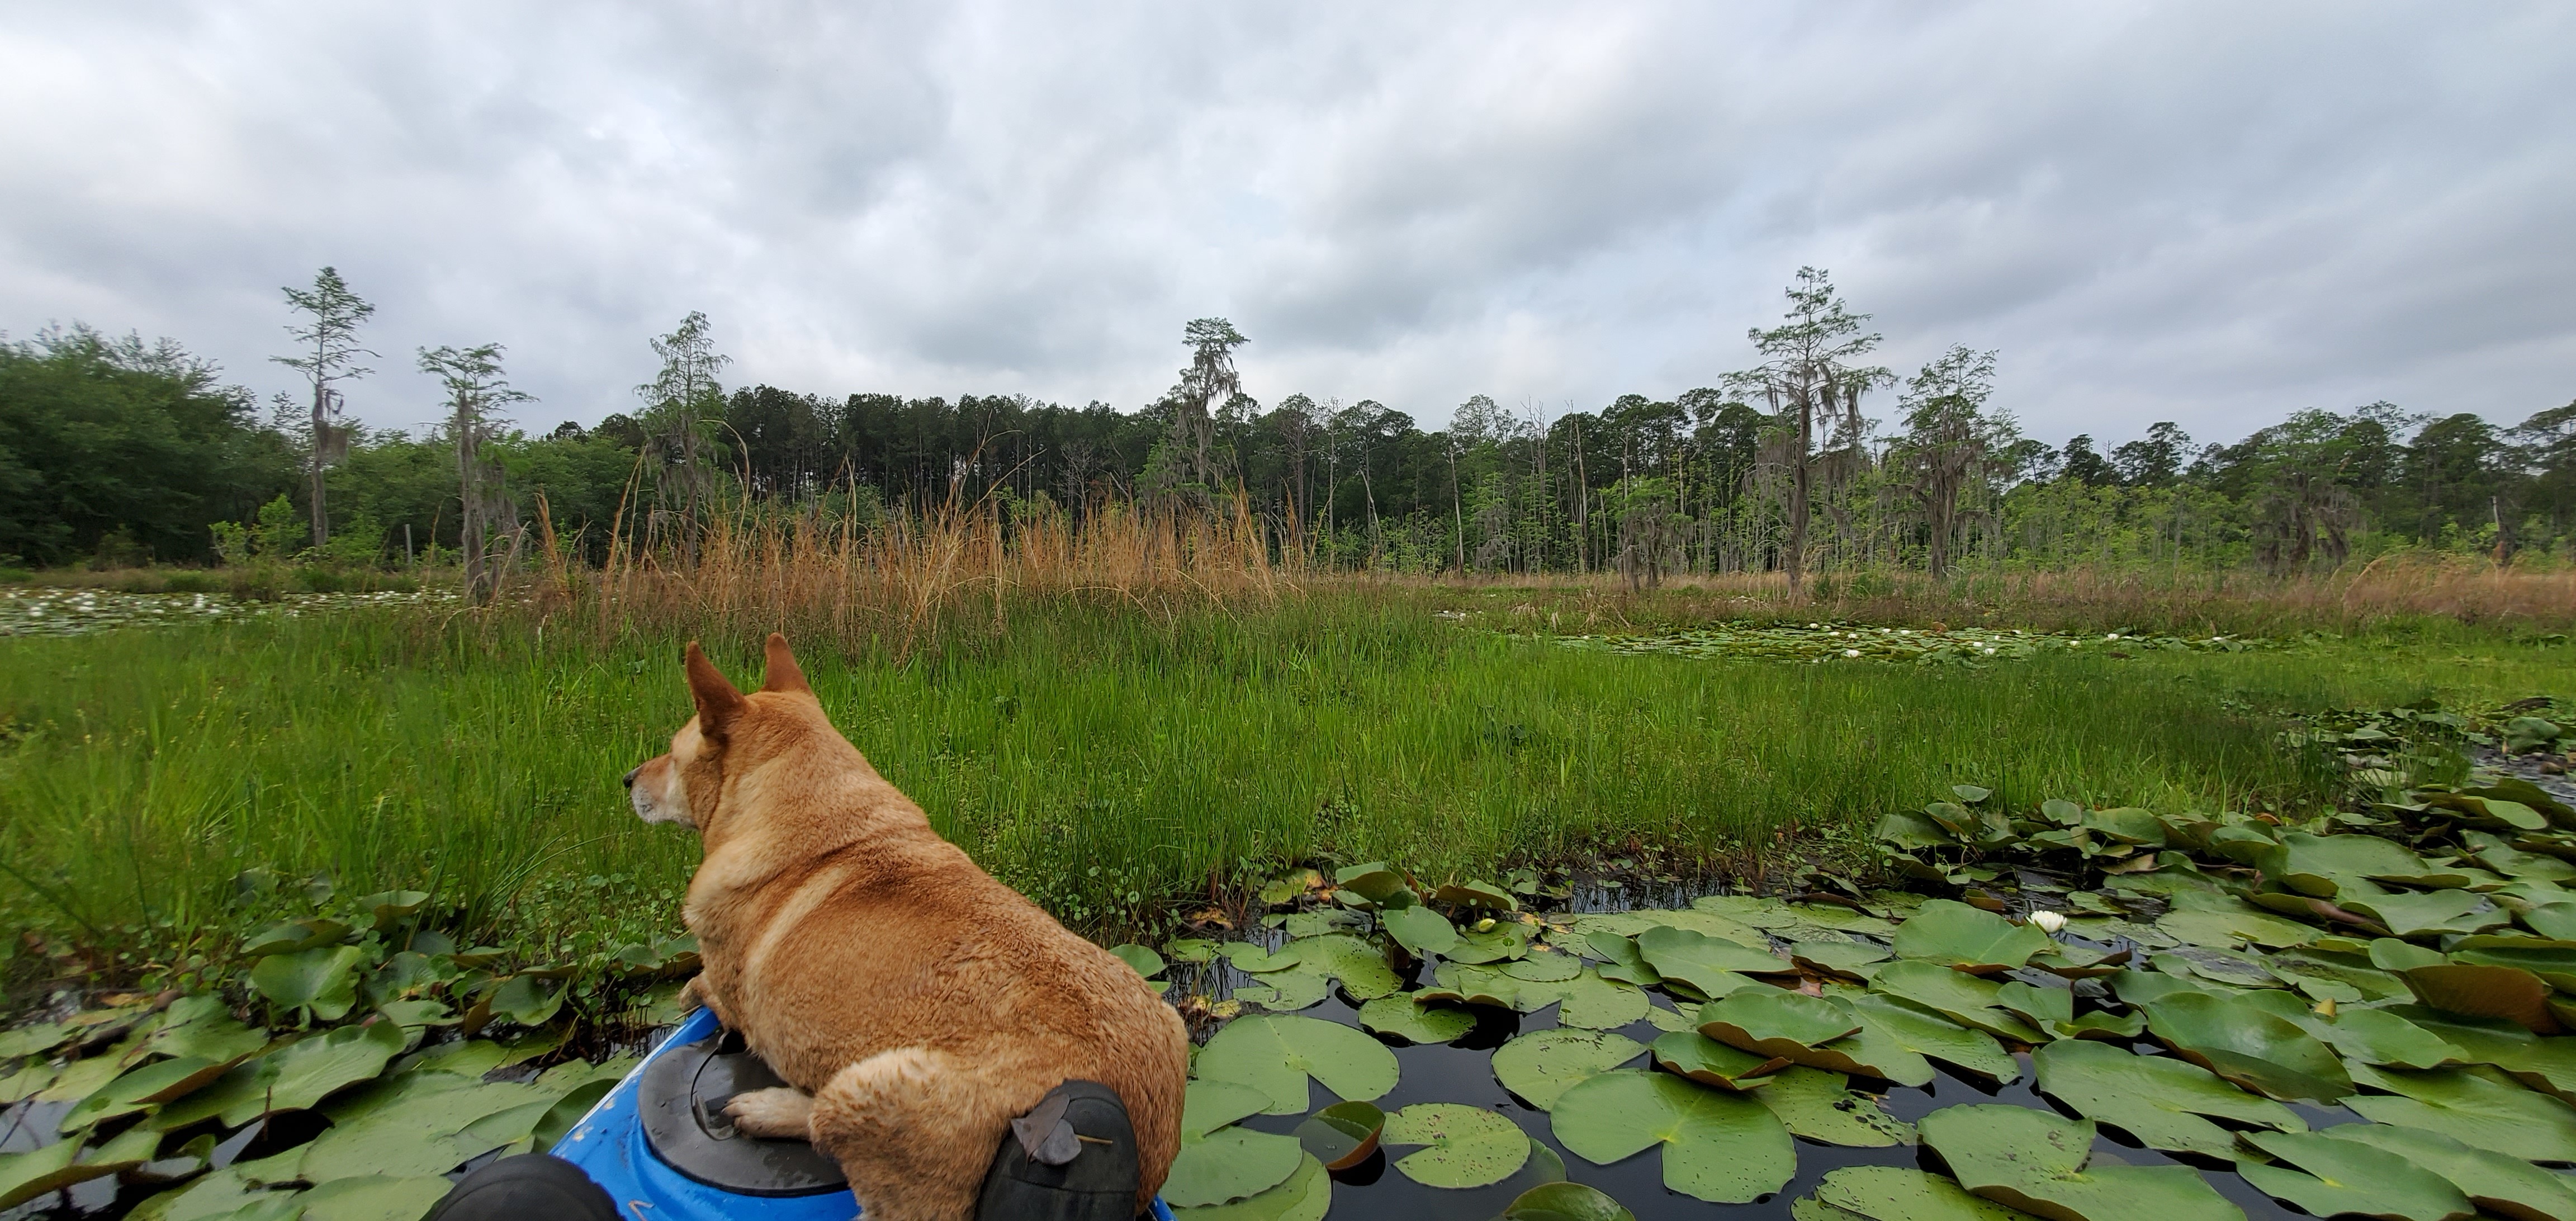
x=682, y=1100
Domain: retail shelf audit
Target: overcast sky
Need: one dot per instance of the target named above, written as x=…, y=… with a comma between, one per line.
x=2208, y=213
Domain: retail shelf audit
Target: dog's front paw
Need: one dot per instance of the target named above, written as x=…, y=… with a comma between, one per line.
x=776, y=1112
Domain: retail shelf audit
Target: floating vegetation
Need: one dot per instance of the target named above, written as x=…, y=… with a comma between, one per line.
x=2076, y=1013
x=1824, y=642
x=48, y=611
x=2293, y=998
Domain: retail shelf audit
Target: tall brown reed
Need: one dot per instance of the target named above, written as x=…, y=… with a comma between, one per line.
x=900, y=580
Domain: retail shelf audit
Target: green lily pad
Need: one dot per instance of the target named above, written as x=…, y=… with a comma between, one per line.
x=2505, y=1186
x=1775, y=1022
x=295, y=937
x=1229, y=1164
x=1909, y=830
x=1219, y=1162
x=1541, y=1065
x=2317, y=864
x=1504, y=941
x=2217, y=966
x=1709, y=1062
x=31, y=1039
x=1209, y=1105
x=1544, y=968
x=464, y=1057
x=2039, y=1162
x=529, y=999
x=1595, y=1003
x=375, y=1197
x=1374, y=881
x=1957, y=935
x=140, y=1088
x=2339, y=1176
x=1414, y=1021
x=2126, y=825
x=1190, y=949
x=2242, y=926
x=385, y=1144
x=1902, y=1193
x=1712, y=965
x=1622, y=961
x=567, y=1111
x=1275, y=1054
x=1720, y=1147
x=1146, y=962
x=2045, y=1008
x=1896, y=1037
x=1306, y=1196
x=1420, y=930
x=1255, y=960
x=1476, y=893
x=2556, y=919
x=2544, y=1064
x=1818, y=1105
x=1666, y=1017
x=29, y=1080
x=25, y=1176
x=2248, y=1046
x=1359, y=965
x=1468, y=1146
x=2473, y=1109
x=391, y=907
x=1477, y=984
x=1969, y=1000
x=2372, y=1036
x=1565, y=1202
x=1298, y=987
x=322, y=981
x=2159, y=1100
x=1343, y=1135
x=1841, y=959
x=2411, y=914
x=2342, y=977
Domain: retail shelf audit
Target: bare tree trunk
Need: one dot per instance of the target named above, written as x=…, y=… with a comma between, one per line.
x=321, y=446
x=1457, y=510
x=470, y=495
x=1799, y=473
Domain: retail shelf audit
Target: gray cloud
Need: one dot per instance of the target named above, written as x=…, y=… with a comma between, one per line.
x=2196, y=212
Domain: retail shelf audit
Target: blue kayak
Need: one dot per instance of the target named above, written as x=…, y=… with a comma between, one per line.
x=660, y=1147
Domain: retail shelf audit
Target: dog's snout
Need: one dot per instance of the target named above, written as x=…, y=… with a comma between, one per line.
x=632, y=773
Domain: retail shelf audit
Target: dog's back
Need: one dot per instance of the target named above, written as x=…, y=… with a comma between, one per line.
x=872, y=964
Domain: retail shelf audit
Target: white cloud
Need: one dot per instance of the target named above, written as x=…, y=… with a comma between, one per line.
x=2197, y=212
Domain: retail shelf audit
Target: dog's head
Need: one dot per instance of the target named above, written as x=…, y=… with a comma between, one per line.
x=731, y=731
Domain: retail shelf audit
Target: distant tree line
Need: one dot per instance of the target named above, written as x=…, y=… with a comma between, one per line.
x=1810, y=460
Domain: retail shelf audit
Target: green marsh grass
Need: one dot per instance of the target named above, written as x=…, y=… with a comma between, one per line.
x=1109, y=762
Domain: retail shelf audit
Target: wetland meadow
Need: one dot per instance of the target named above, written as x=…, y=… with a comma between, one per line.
x=1513, y=899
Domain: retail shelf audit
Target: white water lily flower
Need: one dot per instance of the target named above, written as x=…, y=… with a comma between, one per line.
x=1851, y=652
x=2049, y=922
x=2112, y=636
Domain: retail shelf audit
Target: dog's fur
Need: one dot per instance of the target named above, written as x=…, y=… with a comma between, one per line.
x=914, y=1004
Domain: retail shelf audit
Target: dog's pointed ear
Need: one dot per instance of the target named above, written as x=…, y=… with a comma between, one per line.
x=718, y=702
x=783, y=672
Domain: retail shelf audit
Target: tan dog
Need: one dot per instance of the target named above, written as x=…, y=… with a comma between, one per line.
x=915, y=1004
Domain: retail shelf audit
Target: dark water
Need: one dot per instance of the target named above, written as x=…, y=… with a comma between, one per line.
x=1463, y=1073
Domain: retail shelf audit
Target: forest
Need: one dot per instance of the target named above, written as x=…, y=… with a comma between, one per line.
x=115, y=451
